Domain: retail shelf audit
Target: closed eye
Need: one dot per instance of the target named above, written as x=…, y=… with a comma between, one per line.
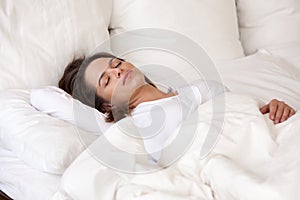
x=107, y=81
x=119, y=63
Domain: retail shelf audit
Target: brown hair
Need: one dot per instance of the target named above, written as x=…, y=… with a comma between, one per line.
x=73, y=82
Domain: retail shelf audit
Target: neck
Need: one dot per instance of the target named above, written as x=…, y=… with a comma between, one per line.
x=147, y=93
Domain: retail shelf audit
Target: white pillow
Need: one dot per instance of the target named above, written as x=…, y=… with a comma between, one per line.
x=57, y=103
x=43, y=142
x=268, y=23
x=210, y=23
x=39, y=38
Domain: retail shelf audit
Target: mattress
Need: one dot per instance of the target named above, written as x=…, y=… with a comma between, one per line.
x=19, y=181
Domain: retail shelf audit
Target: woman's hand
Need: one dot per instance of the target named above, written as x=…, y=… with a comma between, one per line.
x=279, y=111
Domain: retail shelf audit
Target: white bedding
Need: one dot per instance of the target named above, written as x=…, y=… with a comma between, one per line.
x=268, y=23
x=20, y=181
x=39, y=38
x=290, y=52
x=41, y=141
x=263, y=76
x=254, y=159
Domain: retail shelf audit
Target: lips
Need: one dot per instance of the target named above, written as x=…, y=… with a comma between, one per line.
x=127, y=74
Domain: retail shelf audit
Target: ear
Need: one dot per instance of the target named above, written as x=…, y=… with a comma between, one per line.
x=107, y=107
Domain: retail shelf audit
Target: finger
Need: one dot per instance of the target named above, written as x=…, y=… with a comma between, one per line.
x=273, y=109
x=286, y=112
x=264, y=109
x=292, y=112
x=279, y=112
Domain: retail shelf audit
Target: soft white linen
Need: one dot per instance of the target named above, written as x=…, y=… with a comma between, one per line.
x=211, y=24
x=268, y=23
x=22, y=182
x=290, y=52
x=41, y=141
x=57, y=103
x=39, y=38
x=263, y=76
x=168, y=111
x=256, y=160
x=253, y=159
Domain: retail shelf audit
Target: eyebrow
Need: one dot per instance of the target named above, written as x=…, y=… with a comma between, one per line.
x=109, y=64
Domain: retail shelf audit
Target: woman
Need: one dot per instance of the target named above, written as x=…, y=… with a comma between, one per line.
x=117, y=88
x=97, y=79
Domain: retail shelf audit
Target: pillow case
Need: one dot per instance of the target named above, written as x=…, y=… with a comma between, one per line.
x=41, y=141
x=268, y=23
x=57, y=103
x=211, y=24
x=39, y=38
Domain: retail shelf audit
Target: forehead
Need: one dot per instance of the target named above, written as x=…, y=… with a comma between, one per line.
x=95, y=69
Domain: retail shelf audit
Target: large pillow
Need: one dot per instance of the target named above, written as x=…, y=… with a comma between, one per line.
x=268, y=23
x=39, y=38
x=43, y=142
x=211, y=24
x=57, y=103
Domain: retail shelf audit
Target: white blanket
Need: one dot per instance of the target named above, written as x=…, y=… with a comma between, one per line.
x=20, y=181
x=289, y=51
x=263, y=76
x=253, y=159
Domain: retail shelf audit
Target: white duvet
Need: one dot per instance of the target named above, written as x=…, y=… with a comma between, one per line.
x=21, y=181
x=264, y=76
x=253, y=159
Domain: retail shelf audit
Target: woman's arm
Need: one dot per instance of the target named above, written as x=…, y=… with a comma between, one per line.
x=279, y=111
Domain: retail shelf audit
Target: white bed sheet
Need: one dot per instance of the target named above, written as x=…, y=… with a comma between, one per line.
x=21, y=182
x=254, y=159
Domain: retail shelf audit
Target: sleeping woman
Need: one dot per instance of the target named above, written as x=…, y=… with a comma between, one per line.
x=118, y=89
x=108, y=78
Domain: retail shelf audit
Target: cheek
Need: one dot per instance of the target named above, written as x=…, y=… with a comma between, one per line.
x=105, y=94
x=139, y=78
x=113, y=91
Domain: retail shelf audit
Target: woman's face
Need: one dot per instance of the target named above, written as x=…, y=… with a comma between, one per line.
x=115, y=80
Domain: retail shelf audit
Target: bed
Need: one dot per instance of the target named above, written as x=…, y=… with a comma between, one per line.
x=257, y=57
